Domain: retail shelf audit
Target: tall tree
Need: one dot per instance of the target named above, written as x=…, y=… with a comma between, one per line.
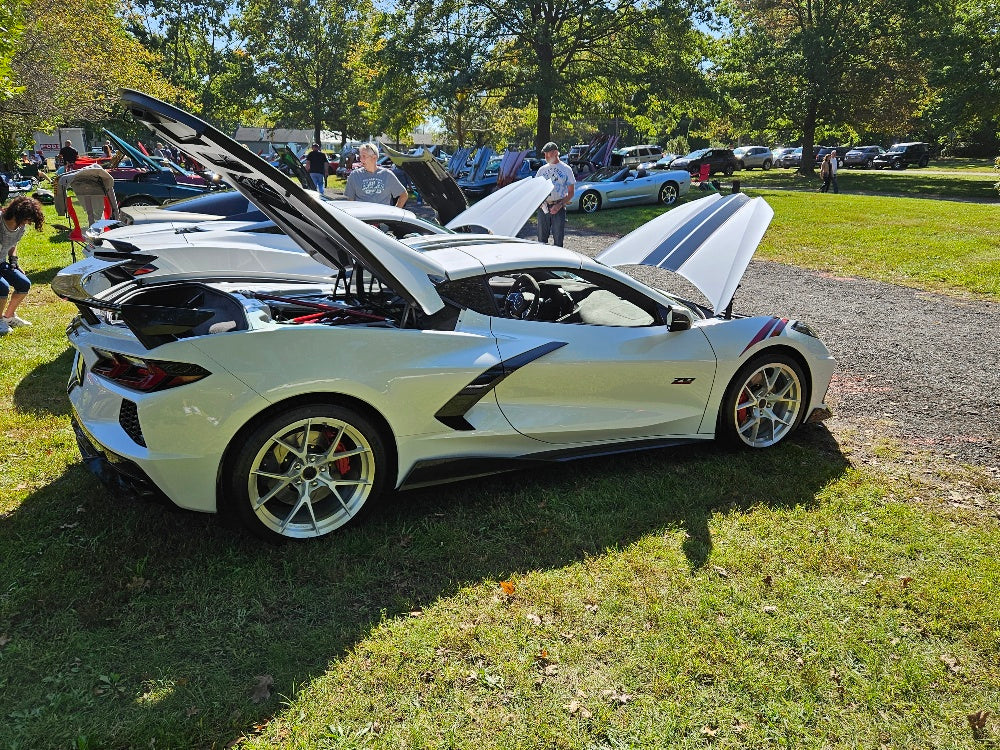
x=305, y=57
x=55, y=80
x=824, y=63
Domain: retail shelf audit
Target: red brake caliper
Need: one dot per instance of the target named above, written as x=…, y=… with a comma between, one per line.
x=741, y=414
x=343, y=464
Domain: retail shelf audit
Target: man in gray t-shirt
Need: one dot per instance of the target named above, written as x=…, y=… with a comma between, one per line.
x=373, y=183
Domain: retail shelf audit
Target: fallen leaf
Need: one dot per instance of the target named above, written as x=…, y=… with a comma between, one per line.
x=4, y=639
x=709, y=731
x=739, y=727
x=904, y=581
x=768, y=581
x=262, y=690
x=191, y=711
x=576, y=708
x=953, y=664
x=770, y=609
x=508, y=587
x=591, y=607
x=138, y=583
x=977, y=721
x=427, y=676
x=721, y=572
x=533, y=618
x=417, y=613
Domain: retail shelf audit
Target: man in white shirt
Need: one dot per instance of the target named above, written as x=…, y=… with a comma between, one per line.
x=552, y=213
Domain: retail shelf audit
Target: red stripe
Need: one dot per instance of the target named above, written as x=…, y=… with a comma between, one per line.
x=780, y=327
x=761, y=334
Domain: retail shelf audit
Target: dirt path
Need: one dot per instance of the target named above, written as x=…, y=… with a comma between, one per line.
x=916, y=366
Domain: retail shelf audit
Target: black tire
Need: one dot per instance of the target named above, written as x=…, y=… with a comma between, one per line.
x=140, y=200
x=870, y=163
x=668, y=193
x=899, y=165
x=740, y=165
x=740, y=421
x=728, y=170
x=276, y=493
x=766, y=165
x=923, y=161
x=590, y=202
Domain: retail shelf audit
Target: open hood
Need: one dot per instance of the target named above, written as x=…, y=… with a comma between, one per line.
x=139, y=159
x=436, y=185
x=505, y=211
x=329, y=235
x=709, y=242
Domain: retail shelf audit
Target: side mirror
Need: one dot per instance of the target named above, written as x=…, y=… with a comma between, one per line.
x=674, y=320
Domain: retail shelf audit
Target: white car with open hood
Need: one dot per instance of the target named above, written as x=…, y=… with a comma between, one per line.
x=293, y=402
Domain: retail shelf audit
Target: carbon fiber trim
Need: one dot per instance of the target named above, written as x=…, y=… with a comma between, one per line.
x=452, y=414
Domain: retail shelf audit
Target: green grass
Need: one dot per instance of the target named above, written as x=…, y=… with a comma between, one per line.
x=929, y=182
x=684, y=598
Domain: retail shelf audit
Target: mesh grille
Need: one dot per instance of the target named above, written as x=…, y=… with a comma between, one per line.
x=128, y=418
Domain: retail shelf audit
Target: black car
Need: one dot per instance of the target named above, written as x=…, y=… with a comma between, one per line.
x=718, y=160
x=862, y=156
x=819, y=152
x=902, y=155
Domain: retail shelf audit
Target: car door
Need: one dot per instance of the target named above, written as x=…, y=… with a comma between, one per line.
x=603, y=382
x=634, y=189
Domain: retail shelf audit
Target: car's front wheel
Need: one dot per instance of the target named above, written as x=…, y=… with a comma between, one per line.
x=728, y=170
x=140, y=200
x=308, y=471
x=900, y=164
x=765, y=402
x=766, y=165
x=668, y=193
x=590, y=202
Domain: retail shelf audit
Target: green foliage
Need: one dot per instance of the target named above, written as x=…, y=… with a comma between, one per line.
x=56, y=83
x=306, y=62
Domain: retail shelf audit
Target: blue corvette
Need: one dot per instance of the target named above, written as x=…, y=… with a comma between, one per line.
x=626, y=186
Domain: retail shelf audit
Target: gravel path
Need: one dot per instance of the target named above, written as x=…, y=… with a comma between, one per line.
x=920, y=367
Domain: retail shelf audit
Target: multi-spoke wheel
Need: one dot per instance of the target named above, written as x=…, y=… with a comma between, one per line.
x=668, y=193
x=307, y=472
x=765, y=402
x=590, y=202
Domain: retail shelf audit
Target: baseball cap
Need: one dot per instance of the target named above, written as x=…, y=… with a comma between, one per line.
x=550, y=146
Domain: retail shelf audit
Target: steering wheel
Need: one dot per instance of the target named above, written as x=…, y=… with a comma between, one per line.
x=516, y=305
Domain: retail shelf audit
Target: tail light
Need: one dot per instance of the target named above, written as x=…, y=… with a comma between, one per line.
x=145, y=375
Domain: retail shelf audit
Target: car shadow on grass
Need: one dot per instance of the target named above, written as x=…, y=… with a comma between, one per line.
x=158, y=623
x=44, y=388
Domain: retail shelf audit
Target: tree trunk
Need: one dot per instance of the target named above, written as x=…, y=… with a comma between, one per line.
x=807, y=167
x=547, y=84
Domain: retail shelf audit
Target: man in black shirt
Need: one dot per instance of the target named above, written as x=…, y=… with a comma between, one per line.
x=68, y=154
x=318, y=167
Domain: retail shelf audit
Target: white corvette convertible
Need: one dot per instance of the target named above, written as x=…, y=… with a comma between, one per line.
x=293, y=402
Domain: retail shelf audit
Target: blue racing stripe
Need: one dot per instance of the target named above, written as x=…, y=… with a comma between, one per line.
x=682, y=243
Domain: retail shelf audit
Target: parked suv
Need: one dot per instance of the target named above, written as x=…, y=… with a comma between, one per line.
x=902, y=155
x=719, y=160
x=754, y=156
x=632, y=156
x=820, y=152
x=862, y=156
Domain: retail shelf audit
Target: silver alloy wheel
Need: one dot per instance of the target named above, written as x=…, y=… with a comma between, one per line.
x=668, y=194
x=768, y=405
x=310, y=477
x=590, y=202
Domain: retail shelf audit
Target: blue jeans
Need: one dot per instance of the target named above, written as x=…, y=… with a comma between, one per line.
x=551, y=223
x=319, y=180
x=11, y=277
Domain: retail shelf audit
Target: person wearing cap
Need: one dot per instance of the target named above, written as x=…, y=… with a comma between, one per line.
x=552, y=213
x=319, y=168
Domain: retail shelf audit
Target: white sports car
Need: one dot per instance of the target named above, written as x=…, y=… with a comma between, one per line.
x=293, y=403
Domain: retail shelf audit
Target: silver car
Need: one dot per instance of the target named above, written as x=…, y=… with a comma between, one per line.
x=752, y=157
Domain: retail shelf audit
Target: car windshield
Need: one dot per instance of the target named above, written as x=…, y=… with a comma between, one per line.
x=741, y=150
x=697, y=154
x=897, y=149
x=608, y=174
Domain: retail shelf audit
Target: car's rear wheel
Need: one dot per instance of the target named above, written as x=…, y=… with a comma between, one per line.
x=899, y=164
x=140, y=200
x=590, y=202
x=668, y=193
x=728, y=170
x=923, y=162
x=765, y=402
x=870, y=163
x=307, y=472
x=766, y=165
x=741, y=165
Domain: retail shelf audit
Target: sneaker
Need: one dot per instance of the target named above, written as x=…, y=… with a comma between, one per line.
x=4, y=328
x=16, y=322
